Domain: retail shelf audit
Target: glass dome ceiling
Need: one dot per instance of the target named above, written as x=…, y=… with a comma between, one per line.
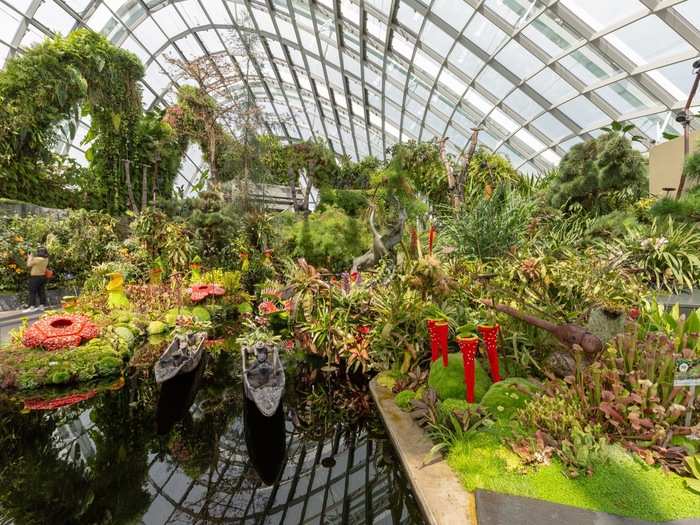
x=537, y=76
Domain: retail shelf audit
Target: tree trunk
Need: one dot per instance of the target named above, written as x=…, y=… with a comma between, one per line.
x=292, y=177
x=567, y=334
x=144, y=188
x=154, y=185
x=462, y=177
x=213, y=170
x=129, y=186
x=307, y=190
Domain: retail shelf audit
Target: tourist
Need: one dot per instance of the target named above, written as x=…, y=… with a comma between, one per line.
x=37, y=265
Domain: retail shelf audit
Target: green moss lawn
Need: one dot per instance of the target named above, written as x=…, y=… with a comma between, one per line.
x=622, y=486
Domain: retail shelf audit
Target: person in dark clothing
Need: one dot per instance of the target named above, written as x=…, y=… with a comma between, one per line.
x=37, y=265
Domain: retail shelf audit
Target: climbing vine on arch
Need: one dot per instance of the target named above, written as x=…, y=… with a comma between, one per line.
x=82, y=73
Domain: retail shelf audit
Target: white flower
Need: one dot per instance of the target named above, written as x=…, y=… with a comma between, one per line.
x=660, y=243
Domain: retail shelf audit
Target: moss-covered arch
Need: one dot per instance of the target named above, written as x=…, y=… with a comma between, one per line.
x=56, y=82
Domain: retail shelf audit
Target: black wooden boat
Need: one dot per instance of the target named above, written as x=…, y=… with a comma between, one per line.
x=182, y=356
x=263, y=377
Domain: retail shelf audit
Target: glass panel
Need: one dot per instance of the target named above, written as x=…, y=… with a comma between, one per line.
x=492, y=81
x=550, y=35
x=551, y=86
x=454, y=12
x=484, y=34
x=600, y=14
x=518, y=60
x=585, y=113
x=551, y=127
x=436, y=39
x=635, y=42
x=626, y=96
x=523, y=105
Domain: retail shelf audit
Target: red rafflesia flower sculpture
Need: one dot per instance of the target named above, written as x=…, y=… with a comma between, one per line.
x=490, y=335
x=60, y=331
x=439, y=332
x=199, y=292
x=469, y=347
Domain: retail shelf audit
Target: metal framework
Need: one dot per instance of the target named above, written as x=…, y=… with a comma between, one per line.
x=537, y=76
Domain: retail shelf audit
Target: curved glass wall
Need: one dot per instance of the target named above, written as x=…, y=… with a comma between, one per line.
x=537, y=76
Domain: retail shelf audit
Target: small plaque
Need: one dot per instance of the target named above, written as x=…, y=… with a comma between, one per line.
x=687, y=372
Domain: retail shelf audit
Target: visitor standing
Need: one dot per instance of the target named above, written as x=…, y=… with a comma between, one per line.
x=37, y=265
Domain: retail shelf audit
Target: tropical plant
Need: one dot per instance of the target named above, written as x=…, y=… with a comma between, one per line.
x=665, y=252
x=487, y=227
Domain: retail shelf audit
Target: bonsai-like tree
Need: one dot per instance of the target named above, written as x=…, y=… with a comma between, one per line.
x=593, y=171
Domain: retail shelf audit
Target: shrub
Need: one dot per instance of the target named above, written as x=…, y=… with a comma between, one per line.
x=328, y=239
x=352, y=202
x=594, y=173
x=685, y=209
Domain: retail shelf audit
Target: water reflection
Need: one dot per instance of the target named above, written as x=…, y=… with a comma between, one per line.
x=265, y=439
x=176, y=397
x=111, y=460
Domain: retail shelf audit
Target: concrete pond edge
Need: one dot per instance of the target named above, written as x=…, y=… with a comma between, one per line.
x=439, y=494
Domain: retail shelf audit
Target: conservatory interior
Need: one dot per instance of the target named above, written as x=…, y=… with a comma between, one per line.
x=349, y=261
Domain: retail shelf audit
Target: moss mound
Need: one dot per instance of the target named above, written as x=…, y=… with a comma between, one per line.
x=622, y=486
x=504, y=398
x=24, y=368
x=448, y=381
x=386, y=379
x=403, y=399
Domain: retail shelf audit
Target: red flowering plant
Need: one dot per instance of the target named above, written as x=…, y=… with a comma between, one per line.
x=273, y=308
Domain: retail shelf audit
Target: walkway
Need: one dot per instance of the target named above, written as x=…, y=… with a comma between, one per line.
x=12, y=319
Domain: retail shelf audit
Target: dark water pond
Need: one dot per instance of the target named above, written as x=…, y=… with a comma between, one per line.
x=141, y=455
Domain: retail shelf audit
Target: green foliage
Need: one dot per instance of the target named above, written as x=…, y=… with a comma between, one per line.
x=593, y=173
x=415, y=169
x=667, y=253
x=612, y=225
x=354, y=175
x=75, y=243
x=24, y=368
x=329, y=238
x=448, y=381
x=692, y=167
x=352, y=202
x=685, y=209
x=487, y=227
x=491, y=169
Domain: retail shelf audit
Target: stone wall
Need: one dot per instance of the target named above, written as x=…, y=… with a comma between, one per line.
x=23, y=209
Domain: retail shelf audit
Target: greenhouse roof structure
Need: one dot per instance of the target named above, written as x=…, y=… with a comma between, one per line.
x=536, y=76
